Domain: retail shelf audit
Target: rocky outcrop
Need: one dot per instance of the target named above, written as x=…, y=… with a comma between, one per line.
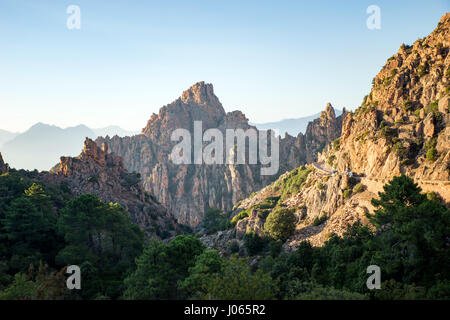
x=188, y=190
x=322, y=131
x=403, y=124
x=97, y=172
x=401, y=127
x=3, y=165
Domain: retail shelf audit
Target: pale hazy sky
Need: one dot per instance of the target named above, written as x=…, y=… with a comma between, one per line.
x=270, y=59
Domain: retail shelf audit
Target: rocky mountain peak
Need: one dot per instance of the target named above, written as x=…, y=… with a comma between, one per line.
x=329, y=112
x=198, y=103
x=92, y=151
x=189, y=190
x=445, y=19
x=200, y=93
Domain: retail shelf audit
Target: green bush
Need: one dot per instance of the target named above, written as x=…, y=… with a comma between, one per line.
x=347, y=193
x=422, y=69
x=268, y=203
x=407, y=105
x=253, y=243
x=319, y=220
x=292, y=182
x=241, y=215
x=399, y=149
x=263, y=214
x=336, y=144
x=359, y=188
x=280, y=224
x=275, y=248
x=215, y=220
x=432, y=154
x=433, y=196
x=434, y=108
x=331, y=159
x=430, y=147
x=234, y=247
x=386, y=131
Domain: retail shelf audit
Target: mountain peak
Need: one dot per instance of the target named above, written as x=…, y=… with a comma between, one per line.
x=92, y=151
x=201, y=93
x=445, y=18
x=329, y=112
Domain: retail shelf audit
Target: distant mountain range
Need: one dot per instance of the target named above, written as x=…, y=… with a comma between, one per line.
x=113, y=131
x=6, y=136
x=41, y=146
x=291, y=126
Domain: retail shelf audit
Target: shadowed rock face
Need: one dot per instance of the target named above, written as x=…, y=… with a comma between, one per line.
x=3, y=165
x=188, y=190
x=97, y=172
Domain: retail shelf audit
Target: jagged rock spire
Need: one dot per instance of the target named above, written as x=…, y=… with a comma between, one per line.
x=329, y=112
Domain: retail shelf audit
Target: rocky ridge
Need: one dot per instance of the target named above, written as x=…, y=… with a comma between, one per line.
x=98, y=172
x=403, y=124
x=405, y=116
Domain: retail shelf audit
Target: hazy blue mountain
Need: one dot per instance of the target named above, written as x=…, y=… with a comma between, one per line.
x=291, y=126
x=5, y=136
x=41, y=146
x=114, y=130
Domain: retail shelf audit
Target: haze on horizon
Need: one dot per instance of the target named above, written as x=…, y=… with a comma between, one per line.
x=270, y=60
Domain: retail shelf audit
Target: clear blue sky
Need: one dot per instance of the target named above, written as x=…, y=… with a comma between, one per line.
x=270, y=59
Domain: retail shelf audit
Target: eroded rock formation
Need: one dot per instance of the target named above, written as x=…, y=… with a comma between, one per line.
x=188, y=190
x=97, y=172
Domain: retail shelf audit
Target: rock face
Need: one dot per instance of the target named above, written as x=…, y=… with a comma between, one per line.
x=401, y=127
x=188, y=190
x=322, y=131
x=403, y=124
x=3, y=165
x=97, y=172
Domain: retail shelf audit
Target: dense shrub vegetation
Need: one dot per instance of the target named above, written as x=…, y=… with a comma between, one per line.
x=44, y=228
x=280, y=224
x=44, y=225
x=292, y=182
x=215, y=220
